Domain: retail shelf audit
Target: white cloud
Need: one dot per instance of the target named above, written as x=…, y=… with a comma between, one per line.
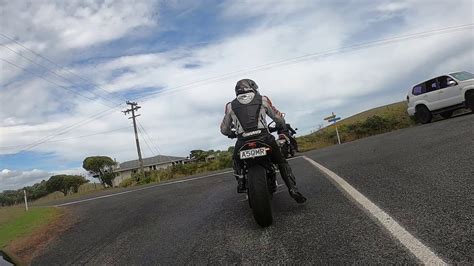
x=75, y=24
x=189, y=119
x=11, y=179
x=393, y=6
x=14, y=179
x=54, y=28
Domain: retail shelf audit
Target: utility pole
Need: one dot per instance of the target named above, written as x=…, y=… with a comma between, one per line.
x=134, y=107
x=26, y=200
x=332, y=118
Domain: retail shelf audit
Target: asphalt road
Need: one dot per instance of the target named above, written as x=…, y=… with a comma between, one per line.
x=421, y=176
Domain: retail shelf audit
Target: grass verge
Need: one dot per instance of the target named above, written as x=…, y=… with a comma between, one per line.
x=84, y=189
x=16, y=223
x=371, y=122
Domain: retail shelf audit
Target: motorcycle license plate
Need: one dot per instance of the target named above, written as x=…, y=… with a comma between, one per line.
x=253, y=153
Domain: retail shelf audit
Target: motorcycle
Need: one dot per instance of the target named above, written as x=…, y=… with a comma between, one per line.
x=287, y=148
x=260, y=178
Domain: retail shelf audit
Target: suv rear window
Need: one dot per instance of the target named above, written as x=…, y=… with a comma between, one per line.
x=425, y=87
x=431, y=85
x=419, y=89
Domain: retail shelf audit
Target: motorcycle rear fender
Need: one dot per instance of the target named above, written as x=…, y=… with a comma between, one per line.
x=254, y=144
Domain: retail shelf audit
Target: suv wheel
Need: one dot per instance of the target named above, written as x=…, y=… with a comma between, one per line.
x=470, y=100
x=423, y=114
x=447, y=114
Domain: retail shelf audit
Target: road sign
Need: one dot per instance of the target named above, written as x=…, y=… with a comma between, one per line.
x=333, y=119
x=330, y=117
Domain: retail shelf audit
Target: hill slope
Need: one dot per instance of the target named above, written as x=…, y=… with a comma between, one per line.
x=371, y=122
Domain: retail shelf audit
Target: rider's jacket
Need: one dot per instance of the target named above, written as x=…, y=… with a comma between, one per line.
x=247, y=114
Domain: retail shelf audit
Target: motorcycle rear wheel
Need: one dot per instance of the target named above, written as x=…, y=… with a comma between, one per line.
x=259, y=196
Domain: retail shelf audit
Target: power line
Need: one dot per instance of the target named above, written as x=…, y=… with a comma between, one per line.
x=276, y=63
x=57, y=65
x=298, y=59
x=65, y=139
x=45, y=139
x=67, y=129
x=70, y=127
x=54, y=83
x=157, y=148
x=146, y=142
x=54, y=72
x=146, y=136
x=64, y=129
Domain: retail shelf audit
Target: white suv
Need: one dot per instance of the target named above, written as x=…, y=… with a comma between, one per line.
x=441, y=95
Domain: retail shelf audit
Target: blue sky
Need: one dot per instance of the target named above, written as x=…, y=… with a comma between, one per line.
x=195, y=51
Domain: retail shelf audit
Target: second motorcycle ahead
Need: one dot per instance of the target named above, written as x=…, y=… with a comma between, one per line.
x=285, y=140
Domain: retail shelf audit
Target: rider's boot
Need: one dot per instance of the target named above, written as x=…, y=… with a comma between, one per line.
x=241, y=188
x=295, y=144
x=273, y=183
x=289, y=179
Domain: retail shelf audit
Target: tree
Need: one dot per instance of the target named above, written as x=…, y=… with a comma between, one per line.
x=100, y=167
x=197, y=155
x=10, y=197
x=37, y=191
x=56, y=183
x=65, y=183
x=200, y=155
x=73, y=182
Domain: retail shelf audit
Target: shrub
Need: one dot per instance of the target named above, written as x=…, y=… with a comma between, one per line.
x=128, y=182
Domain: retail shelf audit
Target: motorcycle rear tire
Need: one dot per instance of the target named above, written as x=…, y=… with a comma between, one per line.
x=259, y=196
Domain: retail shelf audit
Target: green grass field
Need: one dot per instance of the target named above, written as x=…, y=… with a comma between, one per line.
x=16, y=222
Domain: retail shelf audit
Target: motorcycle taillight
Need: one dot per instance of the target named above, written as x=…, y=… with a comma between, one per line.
x=252, y=144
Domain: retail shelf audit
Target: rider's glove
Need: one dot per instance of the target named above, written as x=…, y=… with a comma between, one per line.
x=282, y=127
x=232, y=135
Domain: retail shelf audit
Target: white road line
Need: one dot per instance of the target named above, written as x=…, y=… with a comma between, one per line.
x=418, y=249
x=143, y=188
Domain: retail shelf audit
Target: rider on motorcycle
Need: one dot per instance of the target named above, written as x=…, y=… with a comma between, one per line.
x=246, y=115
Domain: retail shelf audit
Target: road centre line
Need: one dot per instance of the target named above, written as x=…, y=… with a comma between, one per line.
x=418, y=249
x=140, y=189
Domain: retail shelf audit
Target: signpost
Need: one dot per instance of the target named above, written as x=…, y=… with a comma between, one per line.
x=333, y=119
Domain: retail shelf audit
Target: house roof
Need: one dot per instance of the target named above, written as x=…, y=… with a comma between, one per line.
x=156, y=160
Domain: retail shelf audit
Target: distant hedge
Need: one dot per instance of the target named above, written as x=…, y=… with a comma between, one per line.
x=222, y=160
